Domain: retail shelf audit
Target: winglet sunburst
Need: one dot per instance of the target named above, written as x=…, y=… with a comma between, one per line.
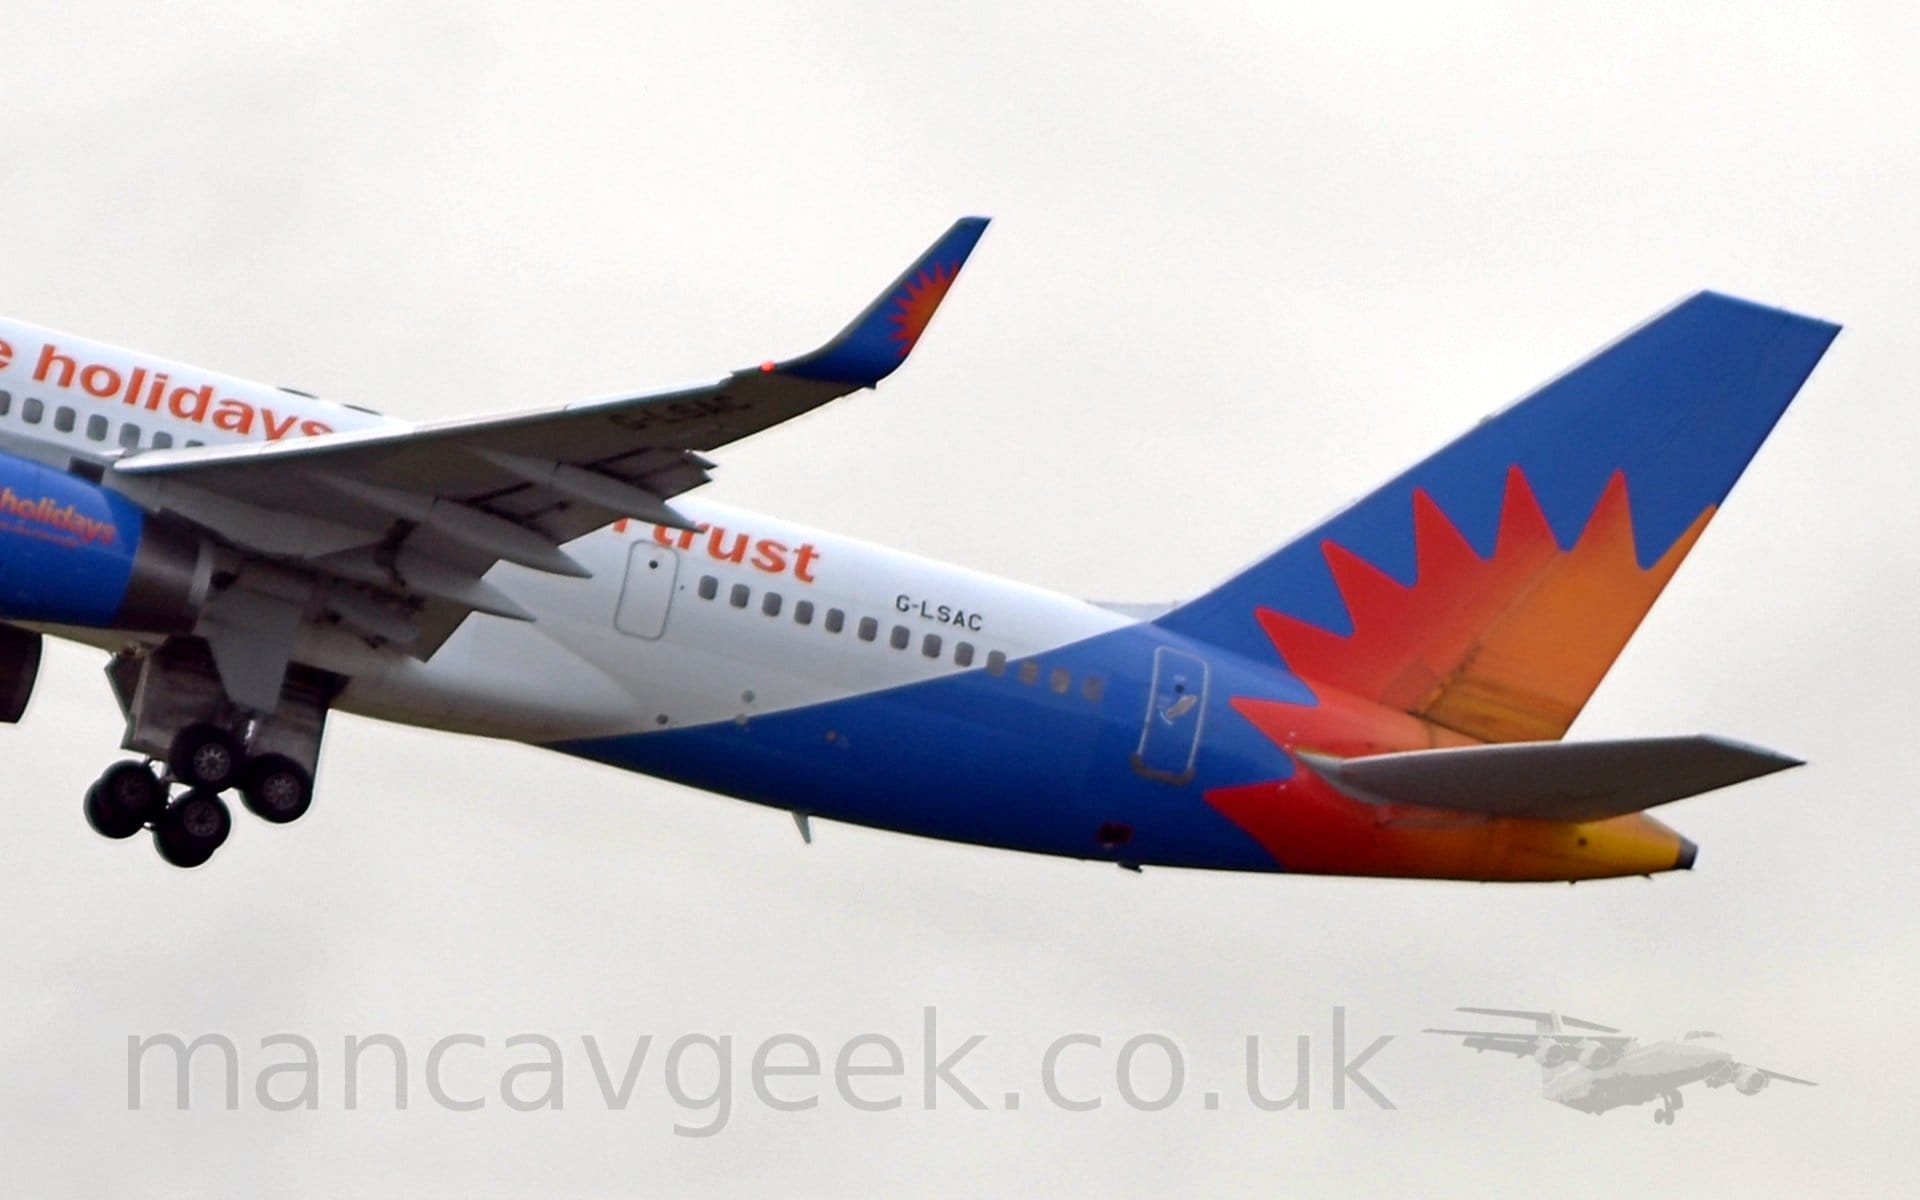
x=880, y=338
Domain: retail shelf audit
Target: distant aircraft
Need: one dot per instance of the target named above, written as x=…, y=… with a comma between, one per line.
x=1383, y=696
x=1595, y=1067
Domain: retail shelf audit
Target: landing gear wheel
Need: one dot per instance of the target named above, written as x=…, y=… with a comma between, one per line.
x=277, y=789
x=204, y=756
x=192, y=828
x=1662, y=1117
x=126, y=798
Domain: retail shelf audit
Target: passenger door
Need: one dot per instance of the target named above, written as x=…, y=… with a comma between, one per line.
x=647, y=593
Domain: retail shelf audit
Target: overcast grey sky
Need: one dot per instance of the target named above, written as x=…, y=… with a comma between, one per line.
x=1246, y=263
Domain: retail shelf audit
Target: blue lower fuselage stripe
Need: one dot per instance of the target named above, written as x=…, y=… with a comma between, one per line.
x=997, y=761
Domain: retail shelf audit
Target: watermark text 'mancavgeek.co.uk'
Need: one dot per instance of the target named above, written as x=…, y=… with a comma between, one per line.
x=705, y=1076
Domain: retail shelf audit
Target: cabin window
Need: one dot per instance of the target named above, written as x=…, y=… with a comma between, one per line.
x=97, y=428
x=739, y=596
x=129, y=435
x=997, y=663
x=162, y=440
x=900, y=636
x=770, y=604
x=63, y=419
x=963, y=654
x=803, y=612
x=1093, y=688
x=709, y=587
x=836, y=620
x=6, y=402
x=869, y=629
x=191, y=443
x=32, y=410
x=1029, y=672
x=930, y=646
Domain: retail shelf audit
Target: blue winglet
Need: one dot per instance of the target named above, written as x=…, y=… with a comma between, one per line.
x=880, y=338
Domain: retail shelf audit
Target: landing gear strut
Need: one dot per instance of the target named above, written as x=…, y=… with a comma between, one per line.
x=196, y=741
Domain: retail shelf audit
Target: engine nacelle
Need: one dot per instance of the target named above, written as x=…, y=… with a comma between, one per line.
x=75, y=553
x=1551, y=1053
x=1596, y=1055
x=1749, y=1082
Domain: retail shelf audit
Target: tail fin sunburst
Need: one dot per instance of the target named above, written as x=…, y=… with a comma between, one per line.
x=1503, y=648
x=1489, y=588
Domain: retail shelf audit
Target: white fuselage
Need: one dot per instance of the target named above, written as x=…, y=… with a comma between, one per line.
x=1642, y=1073
x=664, y=636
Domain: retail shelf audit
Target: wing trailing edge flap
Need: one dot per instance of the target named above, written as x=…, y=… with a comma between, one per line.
x=351, y=553
x=1551, y=781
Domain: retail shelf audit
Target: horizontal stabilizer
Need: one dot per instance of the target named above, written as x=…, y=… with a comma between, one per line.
x=1551, y=781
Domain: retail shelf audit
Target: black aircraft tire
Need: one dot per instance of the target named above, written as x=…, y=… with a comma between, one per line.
x=104, y=821
x=192, y=828
x=205, y=756
x=124, y=799
x=277, y=789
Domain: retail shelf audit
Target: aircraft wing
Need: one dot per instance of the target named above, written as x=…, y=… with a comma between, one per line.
x=1542, y=1020
x=1520, y=1045
x=413, y=516
x=515, y=487
x=1786, y=1078
x=1523, y=1045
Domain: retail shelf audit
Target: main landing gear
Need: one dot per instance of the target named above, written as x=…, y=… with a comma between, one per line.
x=199, y=746
x=1670, y=1103
x=190, y=826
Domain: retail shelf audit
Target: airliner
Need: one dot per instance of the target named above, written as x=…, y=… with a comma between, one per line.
x=1386, y=695
x=1592, y=1068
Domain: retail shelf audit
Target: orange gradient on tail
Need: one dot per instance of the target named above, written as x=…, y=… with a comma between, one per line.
x=1503, y=649
x=916, y=304
x=1309, y=826
x=1312, y=829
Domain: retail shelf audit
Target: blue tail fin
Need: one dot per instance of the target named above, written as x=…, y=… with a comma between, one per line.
x=1489, y=587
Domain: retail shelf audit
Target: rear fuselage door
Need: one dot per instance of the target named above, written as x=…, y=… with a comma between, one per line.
x=1176, y=706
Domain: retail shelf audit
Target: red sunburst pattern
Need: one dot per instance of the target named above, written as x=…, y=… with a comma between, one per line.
x=915, y=305
x=1503, y=648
